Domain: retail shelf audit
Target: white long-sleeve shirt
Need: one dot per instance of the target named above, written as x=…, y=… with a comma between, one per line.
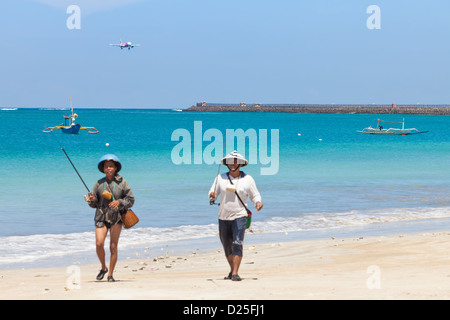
x=230, y=206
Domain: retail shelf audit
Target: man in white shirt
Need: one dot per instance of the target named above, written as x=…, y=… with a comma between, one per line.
x=234, y=188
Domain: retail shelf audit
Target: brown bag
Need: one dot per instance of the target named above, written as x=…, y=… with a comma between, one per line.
x=129, y=219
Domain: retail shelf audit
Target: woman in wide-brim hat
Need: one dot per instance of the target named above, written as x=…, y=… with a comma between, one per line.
x=234, y=188
x=230, y=159
x=109, y=157
x=111, y=196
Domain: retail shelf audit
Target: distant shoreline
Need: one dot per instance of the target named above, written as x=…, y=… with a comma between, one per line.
x=357, y=109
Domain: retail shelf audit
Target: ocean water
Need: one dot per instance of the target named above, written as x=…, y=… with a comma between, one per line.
x=328, y=176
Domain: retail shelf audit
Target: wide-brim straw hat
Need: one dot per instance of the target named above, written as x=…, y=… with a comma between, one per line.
x=229, y=158
x=107, y=157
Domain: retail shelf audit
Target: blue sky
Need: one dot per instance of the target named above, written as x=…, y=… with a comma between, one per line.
x=230, y=51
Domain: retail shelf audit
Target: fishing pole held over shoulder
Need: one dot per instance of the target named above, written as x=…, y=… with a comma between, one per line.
x=76, y=170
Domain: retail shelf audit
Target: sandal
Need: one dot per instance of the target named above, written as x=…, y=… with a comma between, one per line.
x=235, y=277
x=228, y=277
x=102, y=274
x=111, y=279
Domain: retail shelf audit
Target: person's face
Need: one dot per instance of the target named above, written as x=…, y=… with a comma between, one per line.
x=109, y=167
x=233, y=166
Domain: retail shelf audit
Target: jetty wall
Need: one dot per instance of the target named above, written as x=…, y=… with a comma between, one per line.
x=359, y=109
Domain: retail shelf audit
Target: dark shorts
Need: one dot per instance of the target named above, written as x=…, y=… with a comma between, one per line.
x=232, y=235
x=101, y=214
x=108, y=225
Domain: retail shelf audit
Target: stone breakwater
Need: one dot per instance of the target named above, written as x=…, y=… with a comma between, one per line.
x=423, y=110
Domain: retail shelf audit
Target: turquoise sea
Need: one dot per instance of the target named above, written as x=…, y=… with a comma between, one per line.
x=329, y=177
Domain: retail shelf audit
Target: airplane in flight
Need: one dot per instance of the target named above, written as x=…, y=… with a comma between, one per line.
x=125, y=45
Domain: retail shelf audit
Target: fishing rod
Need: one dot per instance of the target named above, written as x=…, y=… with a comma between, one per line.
x=75, y=169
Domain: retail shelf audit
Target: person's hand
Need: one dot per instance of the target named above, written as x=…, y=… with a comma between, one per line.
x=114, y=204
x=212, y=195
x=258, y=206
x=89, y=198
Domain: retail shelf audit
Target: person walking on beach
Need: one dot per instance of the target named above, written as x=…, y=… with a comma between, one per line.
x=231, y=186
x=111, y=197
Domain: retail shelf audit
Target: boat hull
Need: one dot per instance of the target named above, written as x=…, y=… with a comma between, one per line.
x=379, y=130
x=399, y=132
x=72, y=129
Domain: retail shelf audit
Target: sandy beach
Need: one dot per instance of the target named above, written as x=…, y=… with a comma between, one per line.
x=380, y=267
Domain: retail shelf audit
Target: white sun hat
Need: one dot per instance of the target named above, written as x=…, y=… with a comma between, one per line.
x=234, y=155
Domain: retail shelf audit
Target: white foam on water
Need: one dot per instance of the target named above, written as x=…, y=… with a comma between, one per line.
x=319, y=221
x=31, y=248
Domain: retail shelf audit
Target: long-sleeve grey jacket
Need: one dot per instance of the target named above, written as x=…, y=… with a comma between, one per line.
x=122, y=192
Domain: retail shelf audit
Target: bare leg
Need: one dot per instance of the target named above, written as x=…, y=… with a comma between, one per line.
x=100, y=236
x=114, y=242
x=230, y=262
x=234, y=261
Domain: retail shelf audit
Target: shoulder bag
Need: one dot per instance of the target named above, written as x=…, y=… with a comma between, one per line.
x=129, y=219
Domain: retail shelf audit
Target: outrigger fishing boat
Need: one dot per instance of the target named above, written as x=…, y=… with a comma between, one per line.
x=70, y=126
x=391, y=131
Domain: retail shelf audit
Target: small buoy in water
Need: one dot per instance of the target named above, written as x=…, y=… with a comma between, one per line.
x=299, y=134
x=107, y=144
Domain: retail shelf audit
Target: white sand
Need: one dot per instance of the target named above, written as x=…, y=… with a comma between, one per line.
x=383, y=267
